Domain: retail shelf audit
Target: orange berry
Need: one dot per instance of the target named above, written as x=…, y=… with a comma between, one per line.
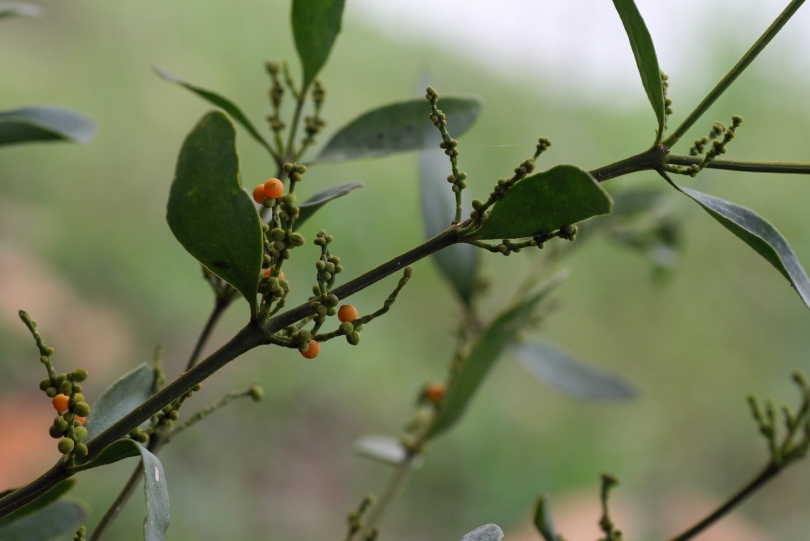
x=435, y=393
x=61, y=402
x=269, y=272
x=313, y=350
x=258, y=194
x=273, y=188
x=347, y=313
x=82, y=420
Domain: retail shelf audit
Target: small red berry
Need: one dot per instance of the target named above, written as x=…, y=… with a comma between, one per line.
x=258, y=194
x=313, y=350
x=347, y=313
x=273, y=188
x=61, y=402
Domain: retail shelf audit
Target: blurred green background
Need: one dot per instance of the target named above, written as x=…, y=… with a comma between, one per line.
x=84, y=247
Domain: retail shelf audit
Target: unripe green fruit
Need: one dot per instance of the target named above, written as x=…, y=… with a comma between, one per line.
x=174, y=415
x=79, y=397
x=65, y=445
x=51, y=392
x=346, y=328
x=82, y=409
x=81, y=433
x=60, y=424
x=81, y=450
x=256, y=393
x=79, y=375
x=55, y=432
x=44, y=384
x=353, y=338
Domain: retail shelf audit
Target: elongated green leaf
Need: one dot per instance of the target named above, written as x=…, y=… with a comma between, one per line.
x=315, y=24
x=484, y=354
x=115, y=452
x=399, y=127
x=60, y=519
x=120, y=398
x=44, y=123
x=19, y=9
x=458, y=263
x=220, y=101
x=311, y=205
x=154, y=484
x=542, y=520
x=757, y=233
x=43, y=501
x=544, y=202
x=209, y=212
x=574, y=378
x=647, y=61
x=487, y=532
x=156, y=521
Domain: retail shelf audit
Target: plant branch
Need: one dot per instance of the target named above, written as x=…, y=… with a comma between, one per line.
x=735, y=72
x=251, y=336
x=442, y=240
x=652, y=158
x=395, y=487
x=220, y=304
x=800, y=168
x=770, y=470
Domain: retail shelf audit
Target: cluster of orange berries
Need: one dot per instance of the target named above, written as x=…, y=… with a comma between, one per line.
x=272, y=189
x=346, y=314
x=68, y=401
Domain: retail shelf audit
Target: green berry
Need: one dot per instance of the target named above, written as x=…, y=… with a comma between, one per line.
x=81, y=450
x=65, y=445
x=81, y=433
x=82, y=409
x=79, y=375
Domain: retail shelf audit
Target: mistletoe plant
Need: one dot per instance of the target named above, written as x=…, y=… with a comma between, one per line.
x=243, y=239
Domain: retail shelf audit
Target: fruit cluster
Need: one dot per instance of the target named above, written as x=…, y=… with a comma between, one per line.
x=68, y=401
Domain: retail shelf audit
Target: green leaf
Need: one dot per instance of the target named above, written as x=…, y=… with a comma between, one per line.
x=315, y=25
x=399, y=127
x=46, y=499
x=114, y=452
x=487, y=532
x=311, y=205
x=44, y=123
x=156, y=521
x=120, y=398
x=647, y=61
x=544, y=202
x=572, y=377
x=489, y=347
x=60, y=519
x=209, y=212
x=757, y=233
x=542, y=520
x=458, y=263
x=385, y=449
x=19, y=9
x=154, y=484
x=220, y=101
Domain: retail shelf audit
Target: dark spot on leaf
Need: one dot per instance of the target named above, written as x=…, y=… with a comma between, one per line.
x=221, y=264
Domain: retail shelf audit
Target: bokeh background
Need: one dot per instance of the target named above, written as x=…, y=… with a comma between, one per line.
x=84, y=247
